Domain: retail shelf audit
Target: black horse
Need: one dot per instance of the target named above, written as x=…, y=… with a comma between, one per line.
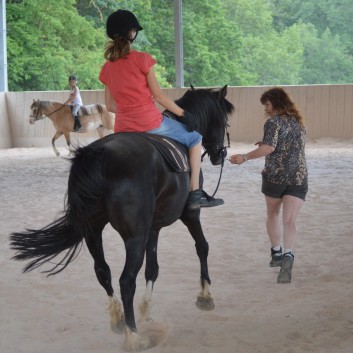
x=124, y=180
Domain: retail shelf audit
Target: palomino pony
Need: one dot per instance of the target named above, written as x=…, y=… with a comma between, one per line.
x=123, y=180
x=94, y=116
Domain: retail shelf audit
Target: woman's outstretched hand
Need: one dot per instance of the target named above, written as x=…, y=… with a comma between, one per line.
x=237, y=159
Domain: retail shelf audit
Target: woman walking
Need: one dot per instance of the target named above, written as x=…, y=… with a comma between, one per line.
x=284, y=177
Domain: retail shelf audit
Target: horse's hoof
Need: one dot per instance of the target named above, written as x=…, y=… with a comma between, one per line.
x=138, y=343
x=205, y=304
x=120, y=328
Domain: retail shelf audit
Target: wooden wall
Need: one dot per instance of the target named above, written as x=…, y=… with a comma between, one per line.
x=5, y=133
x=328, y=110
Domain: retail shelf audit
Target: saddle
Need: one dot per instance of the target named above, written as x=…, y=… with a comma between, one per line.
x=174, y=154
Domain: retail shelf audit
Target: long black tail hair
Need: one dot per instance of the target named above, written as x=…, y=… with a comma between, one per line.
x=66, y=233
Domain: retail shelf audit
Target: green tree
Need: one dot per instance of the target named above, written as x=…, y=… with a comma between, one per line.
x=48, y=41
x=323, y=14
x=288, y=12
x=325, y=58
x=340, y=19
x=212, y=45
x=96, y=11
x=235, y=42
x=271, y=57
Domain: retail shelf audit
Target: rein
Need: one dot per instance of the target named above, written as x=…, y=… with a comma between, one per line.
x=47, y=115
x=57, y=110
x=223, y=153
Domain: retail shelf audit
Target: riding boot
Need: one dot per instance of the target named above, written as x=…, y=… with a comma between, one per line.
x=210, y=201
x=77, y=125
x=194, y=200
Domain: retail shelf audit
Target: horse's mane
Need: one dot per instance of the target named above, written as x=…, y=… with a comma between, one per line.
x=207, y=103
x=43, y=104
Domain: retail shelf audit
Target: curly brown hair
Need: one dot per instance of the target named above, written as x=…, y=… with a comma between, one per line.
x=281, y=101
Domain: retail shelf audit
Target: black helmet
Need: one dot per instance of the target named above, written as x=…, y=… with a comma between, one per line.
x=121, y=22
x=72, y=77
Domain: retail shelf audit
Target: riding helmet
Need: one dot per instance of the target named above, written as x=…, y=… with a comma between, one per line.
x=121, y=22
x=72, y=77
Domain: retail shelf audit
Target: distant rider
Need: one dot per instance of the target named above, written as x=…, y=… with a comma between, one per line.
x=75, y=101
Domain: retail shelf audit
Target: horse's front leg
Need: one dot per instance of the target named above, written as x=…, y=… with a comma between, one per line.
x=192, y=220
x=55, y=137
x=68, y=142
x=205, y=299
x=151, y=274
x=146, y=303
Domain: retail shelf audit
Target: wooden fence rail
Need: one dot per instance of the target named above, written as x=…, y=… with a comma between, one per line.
x=328, y=110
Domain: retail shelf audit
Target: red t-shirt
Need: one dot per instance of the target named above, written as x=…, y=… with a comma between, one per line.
x=126, y=79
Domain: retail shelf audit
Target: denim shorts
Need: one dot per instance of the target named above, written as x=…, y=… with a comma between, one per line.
x=178, y=132
x=277, y=191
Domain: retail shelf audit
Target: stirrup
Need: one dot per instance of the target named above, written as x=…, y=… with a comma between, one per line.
x=209, y=201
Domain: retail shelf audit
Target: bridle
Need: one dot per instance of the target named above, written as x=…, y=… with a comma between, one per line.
x=221, y=149
x=217, y=147
x=39, y=111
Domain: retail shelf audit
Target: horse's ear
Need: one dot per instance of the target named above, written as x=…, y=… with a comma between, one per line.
x=192, y=87
x=223, y=92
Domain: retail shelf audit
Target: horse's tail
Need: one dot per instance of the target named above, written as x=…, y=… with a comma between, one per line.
x=92, y=109
x=43, y=245
x=66, y=233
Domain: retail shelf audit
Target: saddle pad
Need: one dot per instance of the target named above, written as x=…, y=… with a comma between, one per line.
x=174, y=154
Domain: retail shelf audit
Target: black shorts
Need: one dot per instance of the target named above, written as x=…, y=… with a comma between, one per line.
x=277, y=191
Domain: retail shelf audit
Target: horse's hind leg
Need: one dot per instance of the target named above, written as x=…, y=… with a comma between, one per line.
x=192, y=220
x=95, y=246
x=135, y=249
x=68, y=142
x=151, y=274
x=100, y=131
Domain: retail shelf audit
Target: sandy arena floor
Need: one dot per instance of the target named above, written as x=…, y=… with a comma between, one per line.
x=253, y=314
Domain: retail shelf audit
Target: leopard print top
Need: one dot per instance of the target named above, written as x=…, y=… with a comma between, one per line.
x=287, y=163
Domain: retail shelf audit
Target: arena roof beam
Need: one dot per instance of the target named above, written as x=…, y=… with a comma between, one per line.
x=178, y=34
x=3, y=50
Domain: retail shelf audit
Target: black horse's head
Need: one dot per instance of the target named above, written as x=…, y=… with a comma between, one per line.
x=211, y=110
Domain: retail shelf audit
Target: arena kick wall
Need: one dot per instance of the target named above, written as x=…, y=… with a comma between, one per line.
x=328, y=110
